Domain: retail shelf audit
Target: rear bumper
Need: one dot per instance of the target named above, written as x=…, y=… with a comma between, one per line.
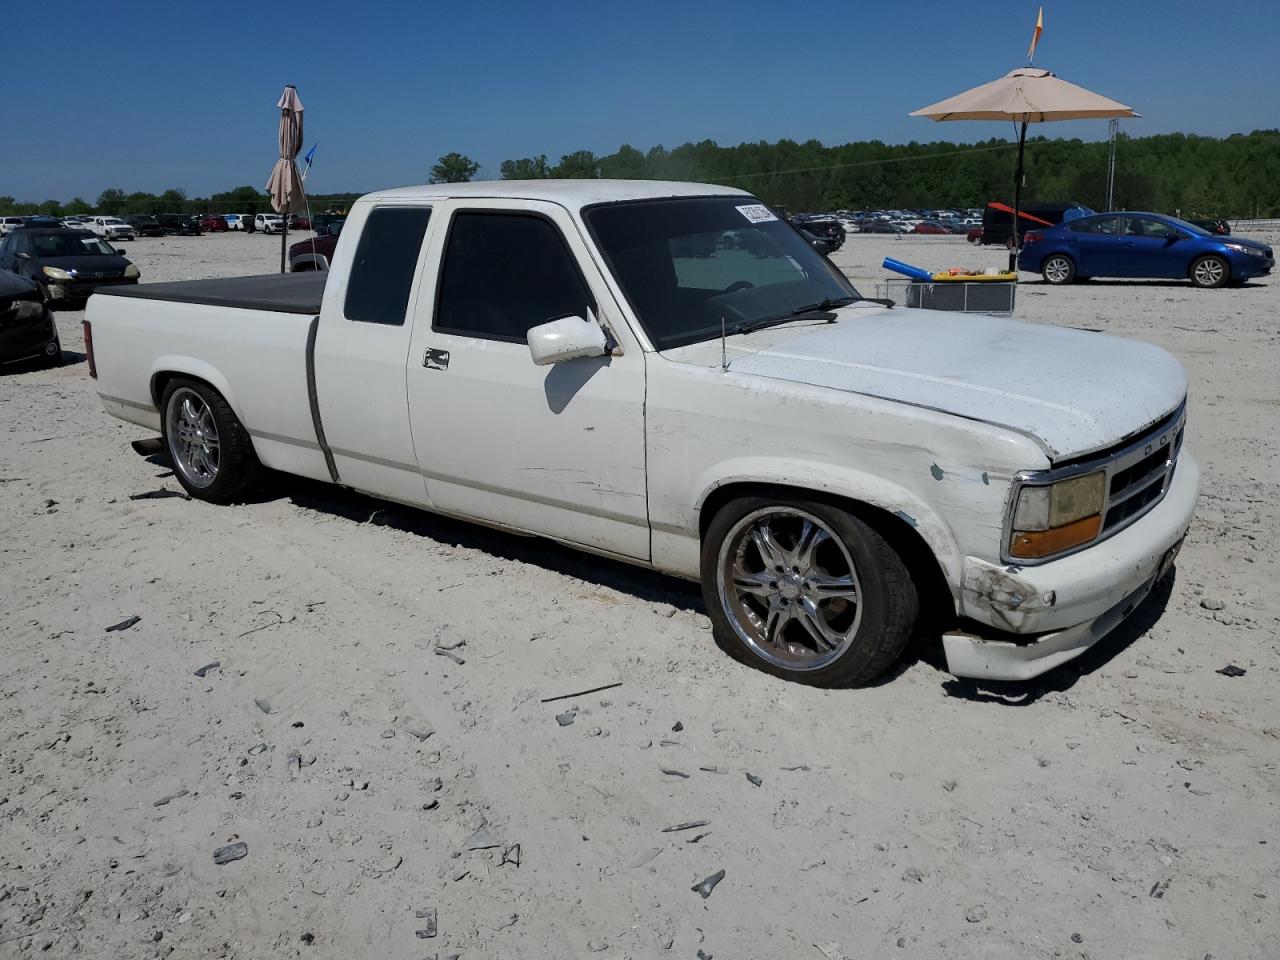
x=1064, y=607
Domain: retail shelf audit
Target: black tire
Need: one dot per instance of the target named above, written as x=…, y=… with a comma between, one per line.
x=237, y=470
x=55, y=359
x=1210, y=271
x=1058, y=269
x=887, y=599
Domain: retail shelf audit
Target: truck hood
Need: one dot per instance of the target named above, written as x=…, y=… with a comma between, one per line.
x=1073, y=391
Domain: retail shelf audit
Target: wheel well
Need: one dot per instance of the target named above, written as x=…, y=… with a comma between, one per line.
x=1196, y=259
x=936, y=602
x=160, y=382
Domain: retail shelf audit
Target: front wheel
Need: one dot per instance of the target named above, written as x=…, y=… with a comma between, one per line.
x=806, y=591
x=210, y=449
x=1210, y=271
x=1058, y=270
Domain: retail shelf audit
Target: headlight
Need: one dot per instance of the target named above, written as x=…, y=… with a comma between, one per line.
x=131, y=272
x=1247, y=251
x=1054, y=517
x=55, y=273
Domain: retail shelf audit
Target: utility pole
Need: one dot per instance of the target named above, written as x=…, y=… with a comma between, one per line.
x=1113, y=131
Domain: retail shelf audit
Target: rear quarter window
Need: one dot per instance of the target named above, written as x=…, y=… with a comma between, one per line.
x=386, y=259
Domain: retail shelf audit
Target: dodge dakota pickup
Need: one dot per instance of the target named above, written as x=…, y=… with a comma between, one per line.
x=667, y=374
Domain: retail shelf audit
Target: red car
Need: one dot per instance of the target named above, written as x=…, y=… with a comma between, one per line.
x=930, y=226
x=315, y=253
x=213, y=224
x=974, y=235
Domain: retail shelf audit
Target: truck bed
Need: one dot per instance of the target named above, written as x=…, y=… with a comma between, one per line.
x=277, y=292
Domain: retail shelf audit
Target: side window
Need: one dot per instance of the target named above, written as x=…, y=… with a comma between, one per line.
x=382, y=272
x=505, y=273
x=1105, y=225
x=1146, y=227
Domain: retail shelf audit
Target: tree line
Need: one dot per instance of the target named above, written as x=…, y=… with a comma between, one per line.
x=1235, y=176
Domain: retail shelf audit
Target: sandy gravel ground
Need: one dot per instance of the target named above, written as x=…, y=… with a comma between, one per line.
x=1126, y=806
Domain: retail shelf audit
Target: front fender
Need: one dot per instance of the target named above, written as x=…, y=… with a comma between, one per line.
x=847, y=482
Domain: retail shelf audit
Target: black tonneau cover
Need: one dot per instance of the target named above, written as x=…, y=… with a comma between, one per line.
x=279, y=292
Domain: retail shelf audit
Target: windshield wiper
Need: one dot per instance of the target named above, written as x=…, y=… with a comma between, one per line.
x=806, y=311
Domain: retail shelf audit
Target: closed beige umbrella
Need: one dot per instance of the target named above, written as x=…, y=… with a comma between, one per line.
x=1026, y=95
x=285, y=184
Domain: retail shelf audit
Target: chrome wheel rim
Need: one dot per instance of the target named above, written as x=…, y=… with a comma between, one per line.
x=1057, y=270
x=193, y=437
x=1209, y=272
x=790, y=588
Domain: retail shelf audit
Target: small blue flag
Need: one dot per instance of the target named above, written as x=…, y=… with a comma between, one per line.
x=311, y=153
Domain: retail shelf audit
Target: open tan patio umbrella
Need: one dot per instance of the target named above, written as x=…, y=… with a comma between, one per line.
x=1026, y=95
x=285, y=184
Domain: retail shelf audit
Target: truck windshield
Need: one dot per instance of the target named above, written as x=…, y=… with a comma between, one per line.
x=687, y=265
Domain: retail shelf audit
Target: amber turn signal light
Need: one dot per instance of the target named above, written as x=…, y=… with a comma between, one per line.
x=1034, y=544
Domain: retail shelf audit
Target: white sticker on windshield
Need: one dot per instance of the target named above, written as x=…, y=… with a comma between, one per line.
x=756, y=213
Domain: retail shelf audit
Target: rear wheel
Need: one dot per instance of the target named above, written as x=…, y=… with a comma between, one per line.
x=806, y=591
x=1210, y=271
x=1058, y=269
x=211, y=451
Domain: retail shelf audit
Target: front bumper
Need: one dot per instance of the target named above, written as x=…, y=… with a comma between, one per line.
x=1043, y=616
x=64, y=292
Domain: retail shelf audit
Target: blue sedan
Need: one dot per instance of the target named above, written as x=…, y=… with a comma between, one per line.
x=1148, y=245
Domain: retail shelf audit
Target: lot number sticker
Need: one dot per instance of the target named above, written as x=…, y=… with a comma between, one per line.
x=756, y=213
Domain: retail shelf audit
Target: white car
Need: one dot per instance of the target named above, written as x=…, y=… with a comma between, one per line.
x=585, y=360
x=234, y=221
x=111, y=228
x=268, y=222
x=8, y=224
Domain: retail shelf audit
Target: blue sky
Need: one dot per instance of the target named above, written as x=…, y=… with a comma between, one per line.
x=145, y=95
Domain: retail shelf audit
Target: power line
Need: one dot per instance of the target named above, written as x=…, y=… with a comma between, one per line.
x=872, y=163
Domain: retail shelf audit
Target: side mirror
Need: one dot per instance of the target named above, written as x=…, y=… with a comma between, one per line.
x=1173, y=235
x=120, y=250
x=568, y=338
x=23, y=256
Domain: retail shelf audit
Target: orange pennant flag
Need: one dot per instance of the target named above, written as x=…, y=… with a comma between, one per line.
x=1035, y=35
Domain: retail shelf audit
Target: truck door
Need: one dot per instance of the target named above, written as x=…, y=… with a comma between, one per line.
x=557, y=450
x=361, y=350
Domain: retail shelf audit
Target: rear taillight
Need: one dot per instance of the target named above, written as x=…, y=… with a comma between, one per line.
x=88, y=349
x=1031, y=236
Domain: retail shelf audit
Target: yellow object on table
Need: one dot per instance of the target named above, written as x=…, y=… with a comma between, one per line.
x=961, y=276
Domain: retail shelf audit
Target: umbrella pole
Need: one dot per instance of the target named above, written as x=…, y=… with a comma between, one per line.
x=284, y=239
x=1016, y=237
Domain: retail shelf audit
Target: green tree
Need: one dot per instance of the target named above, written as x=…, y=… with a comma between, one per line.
x=7, y=206
x=529, y=168
x=111, y=200
x=453, y=168
x=580, y=165
x=76, y=205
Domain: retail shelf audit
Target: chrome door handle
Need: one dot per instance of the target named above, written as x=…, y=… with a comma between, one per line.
x=436, y=359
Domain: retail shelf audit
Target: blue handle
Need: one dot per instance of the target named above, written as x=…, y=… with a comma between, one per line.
x=906, y=269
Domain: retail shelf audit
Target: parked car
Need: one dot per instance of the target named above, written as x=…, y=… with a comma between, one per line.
x=315, y=253
x=1148, y=245
x=212, y=223
x=145, y=225
x=234, y=221
x=1212, y=224
x=930, y=227
x=298, y=222
x=68, y=265
x=997, y=220
x=268, y=222
x=9, y=223
x=180, y=224
x=826, y=467
x=27, y=330
x=881, y=226
x=41, y=223
x=112, y=228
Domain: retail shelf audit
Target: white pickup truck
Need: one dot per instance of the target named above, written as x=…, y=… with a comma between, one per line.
x=666, y=373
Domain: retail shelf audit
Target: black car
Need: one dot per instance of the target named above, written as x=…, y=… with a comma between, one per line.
x=826, y=228
x=1215, y=225
x=41, y=223
x=67, y=265
x=182, y=224
x=27, y=331
x=145, y=225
